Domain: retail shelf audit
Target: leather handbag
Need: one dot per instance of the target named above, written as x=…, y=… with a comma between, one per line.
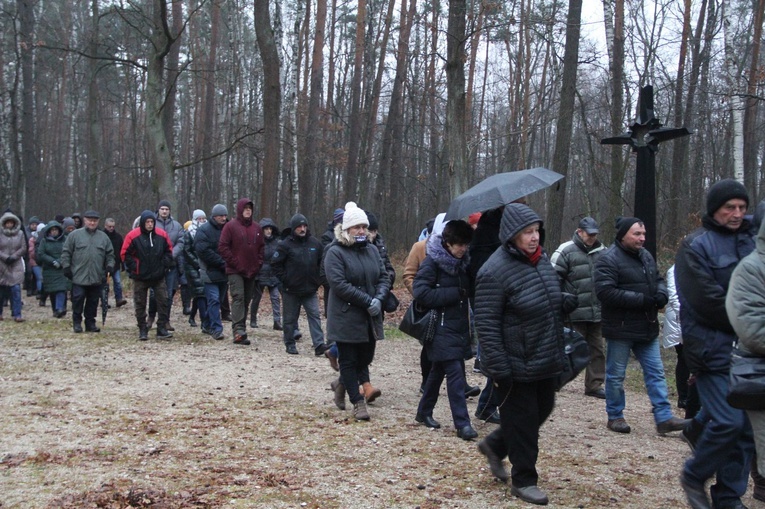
x=419, y=323
x=746, y=387
x=576, y=354
x=390, y=304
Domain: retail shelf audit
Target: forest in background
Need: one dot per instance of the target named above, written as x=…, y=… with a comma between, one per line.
x=398, y=105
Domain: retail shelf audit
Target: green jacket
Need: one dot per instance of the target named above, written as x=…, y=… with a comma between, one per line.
x=48, y=253
x=89, y=255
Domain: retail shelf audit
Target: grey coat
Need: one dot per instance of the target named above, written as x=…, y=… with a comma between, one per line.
x=12, y=244
x=356, y=275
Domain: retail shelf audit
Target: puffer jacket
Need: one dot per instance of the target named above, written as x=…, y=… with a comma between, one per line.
x=266, y=276
x=48, y=254
x=442, y=283
x=671, y=333
x=241, y=243
x=89, y=256
x=13, y=248
x=518, y=308
x=147, y=254
x=211, y=264
x=745, y=300
x=703, y=267
x=356, y=275
x=623, y=280
x=575, y=262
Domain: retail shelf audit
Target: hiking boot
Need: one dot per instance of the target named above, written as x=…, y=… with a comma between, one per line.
x=186, y=310
x=694, y=493
x=495, y=462
x=467, y=433
x=339, y=389
x=121, y=303
x=192, y=322
x=370, y=393
x=92, y=328
x=360, y=412
x=472, y=391
x=253, y=324
x=163, y=333
x=597, y=393
x=492, y=417
x=205, y=330
x=672, y=424
x=241, y=339
x=218, y=335
x=291, y=349
x=278, y=325
x=332, y=360
x=77, y=328
x=530, y=494
x=319, y=350
x=143, y=334
x=691, y=434
x=619, y=426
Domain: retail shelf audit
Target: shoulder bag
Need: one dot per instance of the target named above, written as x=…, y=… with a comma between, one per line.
x=746, y=387
x=419, y=323
x=576, y=356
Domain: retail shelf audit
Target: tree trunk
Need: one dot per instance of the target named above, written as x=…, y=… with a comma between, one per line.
x=751, y=106
x=455, y=146
x=736, y=103
x=565, y=122
x=30, y=167
x=94, y=119
x=615, y=202
x=354, y=122
x=272, y=100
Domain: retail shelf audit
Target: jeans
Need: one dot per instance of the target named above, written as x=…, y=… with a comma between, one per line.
x=276, y=304
x=85, y=300
x=15, y=292
x=117, y=281
x=454, y=371
x=241, y=290
x=310, y=303
x=59, y=301
x=726, y=445
x=214, y=292
x=200, y=304
x=37, y=271
x=649, y=357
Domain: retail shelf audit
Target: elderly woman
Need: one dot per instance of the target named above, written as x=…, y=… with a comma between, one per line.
x=442, y=283
x=518, y=318
x=358, y=282
x=13, y=246
x=49, y=252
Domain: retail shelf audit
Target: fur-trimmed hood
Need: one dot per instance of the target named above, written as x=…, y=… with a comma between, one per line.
x=10, y=232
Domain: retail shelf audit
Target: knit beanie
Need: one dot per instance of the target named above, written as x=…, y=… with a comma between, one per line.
x=198, y=214
x=623, y=225
x=723, y=191
x=374, y=224
x=337, y=216
x=298, y=220
x=353, y=216
x=67, y=222
x=164, y=203
x=219, y=210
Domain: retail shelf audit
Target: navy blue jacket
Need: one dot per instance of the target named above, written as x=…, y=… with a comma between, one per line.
x=703, y=268
x=211, y=263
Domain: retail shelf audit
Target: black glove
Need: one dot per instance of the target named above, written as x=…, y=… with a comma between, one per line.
x=68, y=273
x=11, y=259
x=660, y=300
x=649, y=303
x=570, y=302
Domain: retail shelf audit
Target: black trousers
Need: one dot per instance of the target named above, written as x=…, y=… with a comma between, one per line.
x=524, y=407
x=85, y=299
x=355, y=359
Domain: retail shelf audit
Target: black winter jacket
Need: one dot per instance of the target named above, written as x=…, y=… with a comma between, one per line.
x=297, y=263
x=623, y=281
x=191, y=266
x=703, y=268
x=147, y=254
x=266, y=276
x=442, y=283
x=356, y=275
x=518, y=309
x=211, y=264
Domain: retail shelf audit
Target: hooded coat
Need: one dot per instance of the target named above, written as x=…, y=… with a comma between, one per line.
x=147, y=254
x=13, y=247
x=442, y=283
x=356, y=275
x=241, y=243
x=266, y=276
x=48, y=255
x=518, y=308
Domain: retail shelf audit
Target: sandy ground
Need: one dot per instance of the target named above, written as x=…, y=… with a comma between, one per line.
x=103, y=420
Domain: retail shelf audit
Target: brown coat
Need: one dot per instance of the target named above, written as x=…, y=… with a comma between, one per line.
x=416, y=256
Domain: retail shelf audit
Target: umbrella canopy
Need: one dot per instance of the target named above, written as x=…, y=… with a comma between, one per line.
x=501, y=189
x=104, y=301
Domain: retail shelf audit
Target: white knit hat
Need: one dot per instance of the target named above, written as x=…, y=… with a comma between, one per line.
x=353, y=216
x=198, y=213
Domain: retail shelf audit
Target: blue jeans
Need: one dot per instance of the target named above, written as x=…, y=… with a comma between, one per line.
x=310, y=303
x=59, y=301
x=214, y=292
x=37, y=271
x=15, y=291
x=647, y=354
x=117, y=280
x=726, y=445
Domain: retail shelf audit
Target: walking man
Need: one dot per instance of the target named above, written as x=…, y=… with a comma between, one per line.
x=213, y=267
x=242, y=247
x=574, y=261
x=116, y=238
x=631, y=291
x=87, y=257
x=297, y=264
x=174, y=232
x=703, y=268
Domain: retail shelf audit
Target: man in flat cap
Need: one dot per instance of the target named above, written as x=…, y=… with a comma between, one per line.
x=87, y=257
x=574, y=262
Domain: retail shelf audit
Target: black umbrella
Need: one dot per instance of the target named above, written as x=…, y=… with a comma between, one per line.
x=104, y=300
x=501, y=189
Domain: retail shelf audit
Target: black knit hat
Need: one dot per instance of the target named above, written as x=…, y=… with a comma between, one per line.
x=164, y=203
x=623, y=225
x=374, y=224
x=725, y=190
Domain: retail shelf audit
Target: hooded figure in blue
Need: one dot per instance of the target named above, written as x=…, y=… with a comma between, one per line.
x=442, y=283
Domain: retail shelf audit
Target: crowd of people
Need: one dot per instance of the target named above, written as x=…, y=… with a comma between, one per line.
x=497, y=297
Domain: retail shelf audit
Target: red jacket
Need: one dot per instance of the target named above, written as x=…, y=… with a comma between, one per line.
x=241, y=243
